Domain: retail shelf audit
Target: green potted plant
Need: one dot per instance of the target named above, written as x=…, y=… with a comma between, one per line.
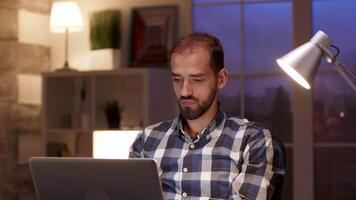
x=113, y=110
x=105, y=39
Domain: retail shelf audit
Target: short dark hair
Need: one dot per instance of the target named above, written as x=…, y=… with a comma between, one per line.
x=205, y=40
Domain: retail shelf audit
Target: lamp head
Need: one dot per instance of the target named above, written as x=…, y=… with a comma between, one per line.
x=302, y=63
x=65, y=15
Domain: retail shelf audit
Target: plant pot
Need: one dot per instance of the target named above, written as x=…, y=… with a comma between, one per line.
x=105, y=59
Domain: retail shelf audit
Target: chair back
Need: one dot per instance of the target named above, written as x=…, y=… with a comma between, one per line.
x=279, y=160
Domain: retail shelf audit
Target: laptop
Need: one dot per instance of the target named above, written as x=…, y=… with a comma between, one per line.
x=95, y=179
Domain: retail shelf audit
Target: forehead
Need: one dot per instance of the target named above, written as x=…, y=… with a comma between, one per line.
x=193, y=60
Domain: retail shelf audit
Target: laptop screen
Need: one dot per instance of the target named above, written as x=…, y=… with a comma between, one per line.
x=99, y=179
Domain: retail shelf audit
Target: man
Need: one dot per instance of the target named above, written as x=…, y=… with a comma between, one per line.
x=203, y=153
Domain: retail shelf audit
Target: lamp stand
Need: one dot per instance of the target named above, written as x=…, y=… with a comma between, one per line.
x=65, y=67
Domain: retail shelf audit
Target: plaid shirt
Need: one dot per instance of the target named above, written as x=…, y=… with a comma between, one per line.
x=232, y=158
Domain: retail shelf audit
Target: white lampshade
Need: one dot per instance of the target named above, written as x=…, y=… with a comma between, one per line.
x=113, y=144
x=302, y=63
x=65, y=15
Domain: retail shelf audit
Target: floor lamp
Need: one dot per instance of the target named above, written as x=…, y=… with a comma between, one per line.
x=302, y=63
x=65, y=17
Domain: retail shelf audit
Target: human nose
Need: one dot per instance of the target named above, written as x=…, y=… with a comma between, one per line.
x=186, y=89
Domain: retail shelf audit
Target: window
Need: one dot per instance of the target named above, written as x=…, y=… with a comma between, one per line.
x=254, y=34
x=334, y=105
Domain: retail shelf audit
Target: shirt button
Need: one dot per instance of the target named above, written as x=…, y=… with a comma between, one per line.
x=184, y=194
x=192, y=146
x=185, y=169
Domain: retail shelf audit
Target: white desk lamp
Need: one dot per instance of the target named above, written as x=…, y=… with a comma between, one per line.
x=66, y=17
x=303, y=62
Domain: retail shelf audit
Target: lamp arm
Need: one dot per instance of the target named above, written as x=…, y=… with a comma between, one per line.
x=341, y=68
x=345, y=73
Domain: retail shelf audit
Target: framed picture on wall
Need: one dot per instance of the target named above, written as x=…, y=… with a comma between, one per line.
x=153, y=32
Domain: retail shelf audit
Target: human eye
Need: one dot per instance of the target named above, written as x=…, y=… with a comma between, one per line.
x=198, y=80
x=176, y=78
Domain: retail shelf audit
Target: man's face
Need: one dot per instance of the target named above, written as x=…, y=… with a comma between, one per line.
x=194, y=82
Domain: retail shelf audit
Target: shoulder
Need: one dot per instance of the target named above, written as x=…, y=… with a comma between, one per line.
x=246, y=129
x=160, y=128
x=239, y=122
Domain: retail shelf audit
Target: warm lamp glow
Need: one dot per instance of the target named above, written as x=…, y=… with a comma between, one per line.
x=65, y=15
x=113, y=144
x=293, y=74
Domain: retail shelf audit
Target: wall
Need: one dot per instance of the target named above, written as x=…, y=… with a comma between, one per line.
x=18, y=56
x=79, y=41
x=27, y=47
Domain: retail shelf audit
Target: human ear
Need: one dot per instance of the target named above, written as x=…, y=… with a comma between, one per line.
x=222, y=78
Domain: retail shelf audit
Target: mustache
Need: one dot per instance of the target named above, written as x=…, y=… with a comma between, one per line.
x=188, y=98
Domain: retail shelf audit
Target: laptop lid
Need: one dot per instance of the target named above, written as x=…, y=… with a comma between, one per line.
x=99, y=179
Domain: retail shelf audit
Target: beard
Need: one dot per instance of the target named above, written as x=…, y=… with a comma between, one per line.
x=190, y=113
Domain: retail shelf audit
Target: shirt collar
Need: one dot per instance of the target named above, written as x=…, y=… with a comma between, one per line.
x=219, y=118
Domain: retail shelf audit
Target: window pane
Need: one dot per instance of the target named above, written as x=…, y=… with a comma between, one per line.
x=222, y=22
x=335, y=172
x=268, y=101
x=268, y=34
x=334, y=113
x=229, y=97
x=337, y=18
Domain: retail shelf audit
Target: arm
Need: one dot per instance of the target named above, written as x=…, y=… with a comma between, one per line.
x=136, y=149
x=257, y=167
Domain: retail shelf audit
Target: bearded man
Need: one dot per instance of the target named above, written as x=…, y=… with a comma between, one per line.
x=204, y=153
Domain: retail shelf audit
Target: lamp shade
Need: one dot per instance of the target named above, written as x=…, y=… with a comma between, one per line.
x=65, y=15
x=302, y=63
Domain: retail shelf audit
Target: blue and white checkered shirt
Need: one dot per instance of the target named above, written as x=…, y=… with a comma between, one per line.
x=231, y=159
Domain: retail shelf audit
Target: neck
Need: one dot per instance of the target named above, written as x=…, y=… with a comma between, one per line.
x=196, y=126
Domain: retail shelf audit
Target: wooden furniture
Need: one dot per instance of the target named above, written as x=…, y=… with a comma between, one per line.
x=73, y=105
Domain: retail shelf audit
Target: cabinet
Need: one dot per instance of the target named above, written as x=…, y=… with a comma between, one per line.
x=73, y=105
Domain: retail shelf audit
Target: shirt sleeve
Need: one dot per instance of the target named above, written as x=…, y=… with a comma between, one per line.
x=257, y=170
x=136, y=149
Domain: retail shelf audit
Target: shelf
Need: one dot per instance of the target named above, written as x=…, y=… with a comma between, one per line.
x=73, y=103
x=67, y=130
